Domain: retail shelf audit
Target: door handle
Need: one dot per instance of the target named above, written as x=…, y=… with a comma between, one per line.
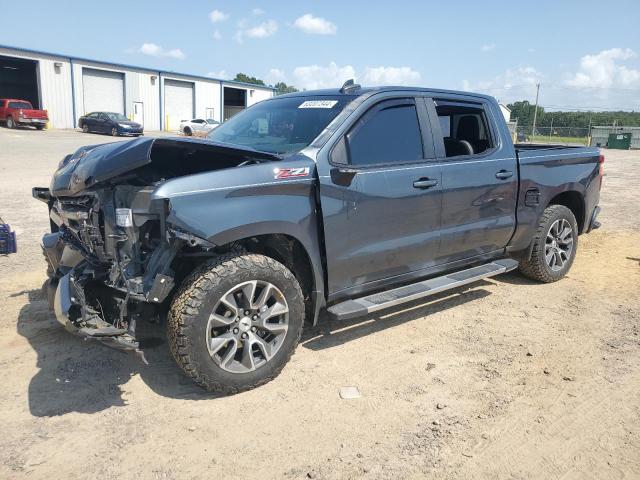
x=425, y=183
x=504, y=174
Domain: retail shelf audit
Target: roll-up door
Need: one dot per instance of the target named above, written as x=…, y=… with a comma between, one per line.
x=103, y=91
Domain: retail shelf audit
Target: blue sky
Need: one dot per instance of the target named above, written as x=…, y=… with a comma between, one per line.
x=585, y=54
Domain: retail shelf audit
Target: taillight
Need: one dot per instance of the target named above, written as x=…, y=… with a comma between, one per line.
x=601, y=163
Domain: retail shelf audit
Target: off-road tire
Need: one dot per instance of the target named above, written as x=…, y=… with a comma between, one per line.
x=536, y=267
x=190, y=309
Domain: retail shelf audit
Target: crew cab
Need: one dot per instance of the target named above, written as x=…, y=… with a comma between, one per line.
x=14, y=113
x=349, y=200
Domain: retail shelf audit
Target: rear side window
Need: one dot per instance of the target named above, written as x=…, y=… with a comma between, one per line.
x=464, y=128
x=389, y=133
x=23, y=105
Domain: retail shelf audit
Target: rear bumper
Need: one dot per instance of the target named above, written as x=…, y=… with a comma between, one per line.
x=32, y=121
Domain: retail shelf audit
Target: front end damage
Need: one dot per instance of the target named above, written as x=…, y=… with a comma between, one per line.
x=110, y=259
x=113, y=257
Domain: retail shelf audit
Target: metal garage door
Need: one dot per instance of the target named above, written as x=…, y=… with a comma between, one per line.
x=103, y=91
x=178, y=102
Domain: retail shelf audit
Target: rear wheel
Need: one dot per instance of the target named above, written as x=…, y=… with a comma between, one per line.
x=10, y=123
x=554, y=246
x=236, y=322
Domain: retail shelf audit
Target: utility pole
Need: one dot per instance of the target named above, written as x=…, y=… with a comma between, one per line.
x=551, y=129
x=535, y=112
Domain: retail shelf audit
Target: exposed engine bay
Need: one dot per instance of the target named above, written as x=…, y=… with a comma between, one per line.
x=113, y=257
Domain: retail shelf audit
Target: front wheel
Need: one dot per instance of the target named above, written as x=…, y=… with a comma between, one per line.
x=85, y=128
x=554, y=246
x=114, y=132
x=236, y=322
x=10, y=123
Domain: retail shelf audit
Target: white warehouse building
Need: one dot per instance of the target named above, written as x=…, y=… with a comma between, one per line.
x=69, y=87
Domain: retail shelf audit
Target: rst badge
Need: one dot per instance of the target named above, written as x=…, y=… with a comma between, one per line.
x=282, y=173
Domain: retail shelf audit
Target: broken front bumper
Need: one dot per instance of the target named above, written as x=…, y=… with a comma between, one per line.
x=68, y=304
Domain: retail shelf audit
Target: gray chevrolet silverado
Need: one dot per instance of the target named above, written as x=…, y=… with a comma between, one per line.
x=350, y=200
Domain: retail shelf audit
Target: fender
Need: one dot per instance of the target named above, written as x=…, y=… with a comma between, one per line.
x=237, y=203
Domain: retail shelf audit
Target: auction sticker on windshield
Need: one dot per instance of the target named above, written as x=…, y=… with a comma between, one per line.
x=318, y=104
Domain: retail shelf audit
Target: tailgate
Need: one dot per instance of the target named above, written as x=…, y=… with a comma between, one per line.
x=34, y=113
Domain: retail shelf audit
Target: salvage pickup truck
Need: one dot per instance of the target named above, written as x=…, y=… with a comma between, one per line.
x=21, y=113
x=348, y=201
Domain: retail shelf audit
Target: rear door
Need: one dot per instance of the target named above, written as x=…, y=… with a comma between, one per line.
x=380, y=196
x=479, y=177
x=102, y=123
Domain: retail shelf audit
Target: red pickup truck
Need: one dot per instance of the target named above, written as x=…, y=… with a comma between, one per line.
x=20, y=112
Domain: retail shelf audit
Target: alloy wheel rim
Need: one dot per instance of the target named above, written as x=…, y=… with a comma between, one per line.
x=247, y=326
x=558, y=244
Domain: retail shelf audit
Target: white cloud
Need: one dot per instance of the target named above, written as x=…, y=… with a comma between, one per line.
x=222, y=74
x=217, y=16
x=315, y=25
x=217, y=35
x=275, y=75
x=312, y=77
x=262, y=30
x=488, y=47
x=513, y=84
x=257, y=12
x=603, y=70
x=391, y=76
x=154, y=50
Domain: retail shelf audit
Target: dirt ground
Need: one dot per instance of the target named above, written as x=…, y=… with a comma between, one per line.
x=505, y=379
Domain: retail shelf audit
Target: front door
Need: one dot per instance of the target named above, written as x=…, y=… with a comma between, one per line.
x=380, y=196
x=479, y=179
x=138, y=113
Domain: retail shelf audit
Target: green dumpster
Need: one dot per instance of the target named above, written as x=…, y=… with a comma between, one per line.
x=620, y=141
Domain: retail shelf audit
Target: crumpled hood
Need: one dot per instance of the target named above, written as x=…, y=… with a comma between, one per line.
x=94, y=164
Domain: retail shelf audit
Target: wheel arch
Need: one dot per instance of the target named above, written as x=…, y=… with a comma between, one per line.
x=574, y=201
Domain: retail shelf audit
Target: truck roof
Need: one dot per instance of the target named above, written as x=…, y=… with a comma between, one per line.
x=358, y=91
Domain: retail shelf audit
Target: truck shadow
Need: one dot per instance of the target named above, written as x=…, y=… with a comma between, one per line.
x=75, y=375
x=331, y=333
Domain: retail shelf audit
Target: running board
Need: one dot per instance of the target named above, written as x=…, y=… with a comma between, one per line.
x=390, y=298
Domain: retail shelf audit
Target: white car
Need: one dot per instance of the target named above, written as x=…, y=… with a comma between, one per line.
x=198, y=126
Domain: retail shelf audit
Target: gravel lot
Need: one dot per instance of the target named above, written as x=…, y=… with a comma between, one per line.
x=505, y=379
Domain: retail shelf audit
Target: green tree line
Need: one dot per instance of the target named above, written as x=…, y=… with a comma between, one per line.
x=281, y=87
x=524, y=110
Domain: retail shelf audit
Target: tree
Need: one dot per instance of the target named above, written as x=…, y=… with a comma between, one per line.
x=241, y=77
x=282, y=88
x=524, y=111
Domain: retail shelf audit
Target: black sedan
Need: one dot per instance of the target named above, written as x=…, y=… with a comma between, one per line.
x=109, y=122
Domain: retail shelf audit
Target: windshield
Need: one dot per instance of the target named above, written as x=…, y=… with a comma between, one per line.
x=117, y=117
x=23, y=105
x=282, y=125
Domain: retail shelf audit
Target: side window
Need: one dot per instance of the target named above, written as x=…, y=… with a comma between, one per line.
x=389, y=133
x=1, y=103
x=464, y=128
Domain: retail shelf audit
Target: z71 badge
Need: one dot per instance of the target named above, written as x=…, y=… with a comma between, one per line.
x=281, y=173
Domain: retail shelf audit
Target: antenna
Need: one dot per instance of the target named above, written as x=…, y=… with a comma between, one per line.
x=349, y=85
